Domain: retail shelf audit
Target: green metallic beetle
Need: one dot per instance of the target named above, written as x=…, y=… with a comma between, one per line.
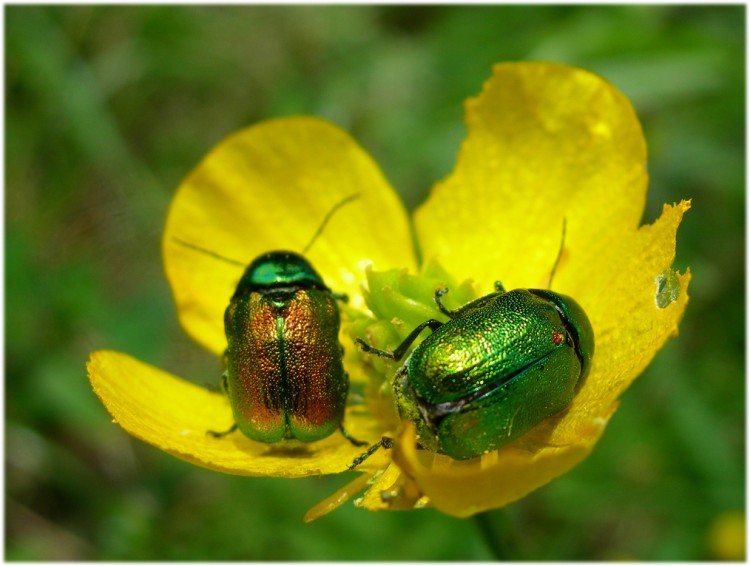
x=496, y=369
x=284, y=373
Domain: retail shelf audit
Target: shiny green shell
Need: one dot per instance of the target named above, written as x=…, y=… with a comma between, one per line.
x=500, y=366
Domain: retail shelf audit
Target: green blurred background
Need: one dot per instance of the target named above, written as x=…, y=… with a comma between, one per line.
x=108, y=108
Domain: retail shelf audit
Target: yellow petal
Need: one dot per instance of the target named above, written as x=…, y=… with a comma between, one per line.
x=545, y=141
x=338, y=498
x=629, y=323
x=468, y=487
x=269, y=187
x=391, y=490
x=174, y=415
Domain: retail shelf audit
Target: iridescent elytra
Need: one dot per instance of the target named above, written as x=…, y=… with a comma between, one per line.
x=284, y=364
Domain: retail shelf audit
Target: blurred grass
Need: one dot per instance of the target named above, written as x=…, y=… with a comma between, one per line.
x=107, y=108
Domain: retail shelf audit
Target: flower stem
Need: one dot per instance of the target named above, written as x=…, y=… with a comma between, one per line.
x=499, y=532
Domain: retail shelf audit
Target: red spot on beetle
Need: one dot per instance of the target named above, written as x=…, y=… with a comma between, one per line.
x=558, y=338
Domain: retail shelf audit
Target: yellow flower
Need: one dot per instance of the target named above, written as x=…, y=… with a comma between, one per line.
x=546, y=143
x=727, y=536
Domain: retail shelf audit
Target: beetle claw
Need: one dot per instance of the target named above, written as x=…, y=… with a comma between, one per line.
x=370, y=350
x=218, y=434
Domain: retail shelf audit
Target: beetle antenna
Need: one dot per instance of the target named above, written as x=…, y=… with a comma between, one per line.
x=328, y=216
x=559, y=256
x=307, y=247
x=208, y=252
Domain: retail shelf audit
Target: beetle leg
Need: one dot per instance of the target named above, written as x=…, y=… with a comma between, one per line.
x=221, y=386
x=385, y=442
x=343, y=297
x=351, y=438
x=433, y=325
x=216, y=434
x=370, y=350
x=225, y=390
x=438, y=295
x=399, y=352
x=499, y=287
